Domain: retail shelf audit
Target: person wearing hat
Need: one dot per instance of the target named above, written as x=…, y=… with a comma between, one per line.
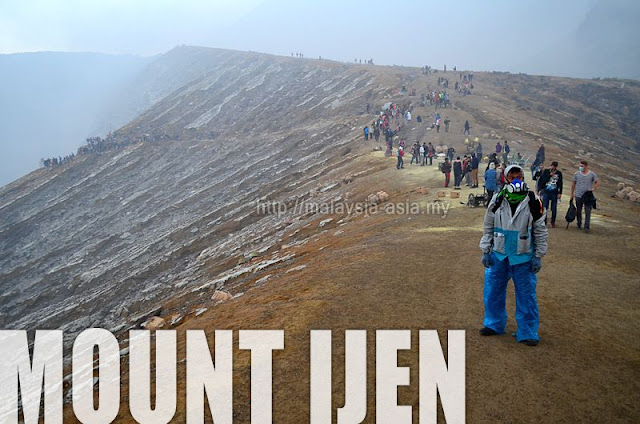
x=513, y=243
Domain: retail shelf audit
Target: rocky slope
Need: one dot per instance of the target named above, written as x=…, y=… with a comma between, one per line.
x=153, y=229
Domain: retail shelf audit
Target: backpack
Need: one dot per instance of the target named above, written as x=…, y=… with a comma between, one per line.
x=571, y=213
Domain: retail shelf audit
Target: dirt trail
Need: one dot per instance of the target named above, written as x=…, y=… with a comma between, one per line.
x=423, y=272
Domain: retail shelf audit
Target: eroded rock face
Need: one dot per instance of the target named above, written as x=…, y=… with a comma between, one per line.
x=108, y=238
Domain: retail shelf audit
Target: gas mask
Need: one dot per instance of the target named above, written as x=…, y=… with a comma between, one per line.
x=515, y=191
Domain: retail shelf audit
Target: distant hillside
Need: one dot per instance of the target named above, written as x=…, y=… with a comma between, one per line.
x=50, y=102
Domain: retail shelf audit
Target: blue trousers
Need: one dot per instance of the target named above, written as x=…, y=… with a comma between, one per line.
x=550, y=197
x=495, y=293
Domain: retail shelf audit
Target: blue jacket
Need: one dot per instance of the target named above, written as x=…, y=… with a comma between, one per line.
x=490, y=180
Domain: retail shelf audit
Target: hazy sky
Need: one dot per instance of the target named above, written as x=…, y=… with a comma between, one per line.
x=473, y=34
x=578, y=38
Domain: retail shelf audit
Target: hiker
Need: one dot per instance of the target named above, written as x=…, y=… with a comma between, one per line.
x=537, y=163
x=457, y=173
x=400, y=155
x=368, y=108
x=446, y=170
x=376, y=134
x=431, y=152
x=447, y=121
x=450, y=153
x=490, y=180
x=366, y=133
x=506, y=149
x=479, y=150
x=415, y=154
x=499, y=149
x=466, y=167
x=513, y=243
x=585, y=182
x=475, y=163
x=467, y=127
x=549, y=187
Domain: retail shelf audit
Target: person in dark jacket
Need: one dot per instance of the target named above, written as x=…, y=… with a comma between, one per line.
x=549, y=187
x=457, y=173
x=446, y=170
x=475, y=163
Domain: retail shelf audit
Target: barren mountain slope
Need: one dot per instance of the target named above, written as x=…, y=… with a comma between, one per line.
x=155, y=228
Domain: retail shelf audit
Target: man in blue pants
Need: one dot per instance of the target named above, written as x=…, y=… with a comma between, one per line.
x=513, y=243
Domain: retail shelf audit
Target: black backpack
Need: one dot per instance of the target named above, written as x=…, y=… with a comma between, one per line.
x=571, y=213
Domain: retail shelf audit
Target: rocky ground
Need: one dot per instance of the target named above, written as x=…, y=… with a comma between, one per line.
x=172, y=230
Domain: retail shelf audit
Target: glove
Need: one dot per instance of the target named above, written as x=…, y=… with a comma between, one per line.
x=536, y=265
x=487, y=261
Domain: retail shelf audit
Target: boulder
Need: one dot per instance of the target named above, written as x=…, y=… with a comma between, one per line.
x=621, y=186
x=372, y=199
x=382, y=196
x=634, y=196
x=442, y=149
x=620, y=194
x=174, y=319
x=220, y=296
x=377, y=149
x=154, y=323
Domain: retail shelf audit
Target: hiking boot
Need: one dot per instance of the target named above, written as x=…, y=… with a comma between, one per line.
x=553, y=225
x=586, y=230
x=486, y=331
x=530, y=342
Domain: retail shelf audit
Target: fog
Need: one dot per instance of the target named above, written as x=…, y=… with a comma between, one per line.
x=42, y=117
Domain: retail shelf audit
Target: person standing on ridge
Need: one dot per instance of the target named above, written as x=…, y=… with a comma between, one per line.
x=457, y=173
x=513, y=244
x=506, y=149
x=446, y=170
x=467, y=127
x=585, y=182
x=400, y=155
x=549, y=187
x=431, y=152
x=537, y=163
x=475, y=163
x=490, y=180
